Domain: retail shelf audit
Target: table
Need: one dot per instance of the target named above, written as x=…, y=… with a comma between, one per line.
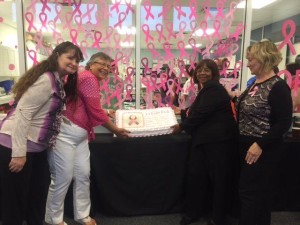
x=138, y=176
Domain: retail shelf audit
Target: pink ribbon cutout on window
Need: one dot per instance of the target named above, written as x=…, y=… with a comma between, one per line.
x=74, y=35
x=45, y=6
x=52, y=26
x=167, y=48
x=178, y=8
x=129, y=73
x=116, y=6
x=30, y=20
x=83, y=47
x=147, y=6
x=193, y=8
x=151, y=48
x=225, y=67
x=220, y=8
x=97, y=40
x=89, y=9
x=146, y=30
x=109, y=31
x=129, y=7
x=288, y=24
x=159, y=29
x=169, y=26
x=38, y=37
x=32, y=55
x=182, y=26
x=167, y=6
x=68, y=21
x=145, y=64
x=129, y=89
x=43, y=18
x=77, y=7
x=58, y=10
x=206, y=8
x=181, y=48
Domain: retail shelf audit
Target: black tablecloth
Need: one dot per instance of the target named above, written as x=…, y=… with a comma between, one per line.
x=139, y=175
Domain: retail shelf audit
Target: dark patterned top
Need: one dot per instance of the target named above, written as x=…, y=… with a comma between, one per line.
x=264, y=110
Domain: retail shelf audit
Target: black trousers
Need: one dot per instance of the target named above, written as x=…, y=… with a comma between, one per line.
x=24, y=194
x=210, y=171
x=256, y=184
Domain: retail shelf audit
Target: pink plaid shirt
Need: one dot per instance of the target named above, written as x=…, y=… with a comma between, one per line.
x=87, y=112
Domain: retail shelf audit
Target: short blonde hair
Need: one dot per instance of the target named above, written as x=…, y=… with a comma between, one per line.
x=267, y=53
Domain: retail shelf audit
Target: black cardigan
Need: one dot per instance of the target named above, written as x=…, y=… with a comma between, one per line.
x=210, y=117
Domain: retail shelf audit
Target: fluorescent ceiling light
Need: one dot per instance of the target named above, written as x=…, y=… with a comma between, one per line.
x=126, y=44
x=126, y=30
x=197, y=46
x=256, y=4
x=199, y=32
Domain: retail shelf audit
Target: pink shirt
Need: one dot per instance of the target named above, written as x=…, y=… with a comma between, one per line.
x=87, y=112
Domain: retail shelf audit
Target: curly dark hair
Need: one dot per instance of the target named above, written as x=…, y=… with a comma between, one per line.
x=212, y=65
x=49, y=65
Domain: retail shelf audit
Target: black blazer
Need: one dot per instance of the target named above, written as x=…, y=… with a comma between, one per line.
x=210, y=117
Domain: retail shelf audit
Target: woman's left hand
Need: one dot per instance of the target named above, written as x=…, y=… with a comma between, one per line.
x=253, y=153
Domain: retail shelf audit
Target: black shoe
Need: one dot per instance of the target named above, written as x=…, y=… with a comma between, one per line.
x=185, y=220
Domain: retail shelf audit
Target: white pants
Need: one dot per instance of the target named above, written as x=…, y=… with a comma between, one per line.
x=70, y=160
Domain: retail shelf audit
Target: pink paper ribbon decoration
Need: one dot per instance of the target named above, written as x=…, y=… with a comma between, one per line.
x=237, y=68
x=193, y=26
x=169, y=26
x=238, y=31
x=170, y=84
x=121, y=18
x=167, y=6
x=84, y=46
x=116, y=6
x=220, y=8
x=109, y=31
x=127, y=55
x=130, y=73
x=206, y=52
x=145, y=64
x=163, y=81
x=159, y=29
x=296, y=83
x=177, y=82
x=120, y=95
x=232, y=8
x=89, y=9
x=117, y=40
x=151, y=48
x=146, y=30
x=195, y=49
x=77, y=4
x=225, y=67
x=181, y=66
x=287, y=76
x=148, y=84
x=97, y=40
x=193, y=7
x=288, y=25
x=167, y=48
x=31, y=7
x=104, y=84
x=30, y=19
x=129, y=89
x=127, y=38
x=147, y=6
x=217, y=26
x=68, y=21
x=73, y=35
x=193, y=60
x=182, y=26
x=129, y=7
x=38, y=37
x=43, y=18
x=233, y=49
x=206, y=8
x=58, y=10
x=178, y=8
x=203, y=26
x=32, y=55
x=118, y=58
x=181, y=48
x=45, y=6
x=78, y=22
x=52, y=26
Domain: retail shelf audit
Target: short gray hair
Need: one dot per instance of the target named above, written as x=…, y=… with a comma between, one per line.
x=95, y=57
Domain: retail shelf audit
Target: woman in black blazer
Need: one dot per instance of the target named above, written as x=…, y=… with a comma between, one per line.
x=213, y=129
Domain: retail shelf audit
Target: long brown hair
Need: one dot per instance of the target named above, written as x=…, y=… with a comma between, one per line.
x=49, y=65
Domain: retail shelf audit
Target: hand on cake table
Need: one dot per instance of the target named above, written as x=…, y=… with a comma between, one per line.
x=176, y=129
x=111, y=113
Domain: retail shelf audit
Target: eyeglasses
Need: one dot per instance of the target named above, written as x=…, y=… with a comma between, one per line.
x=104, y=65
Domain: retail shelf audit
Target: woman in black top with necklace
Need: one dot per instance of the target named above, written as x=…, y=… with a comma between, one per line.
x=264, y=116
x=211, y=123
